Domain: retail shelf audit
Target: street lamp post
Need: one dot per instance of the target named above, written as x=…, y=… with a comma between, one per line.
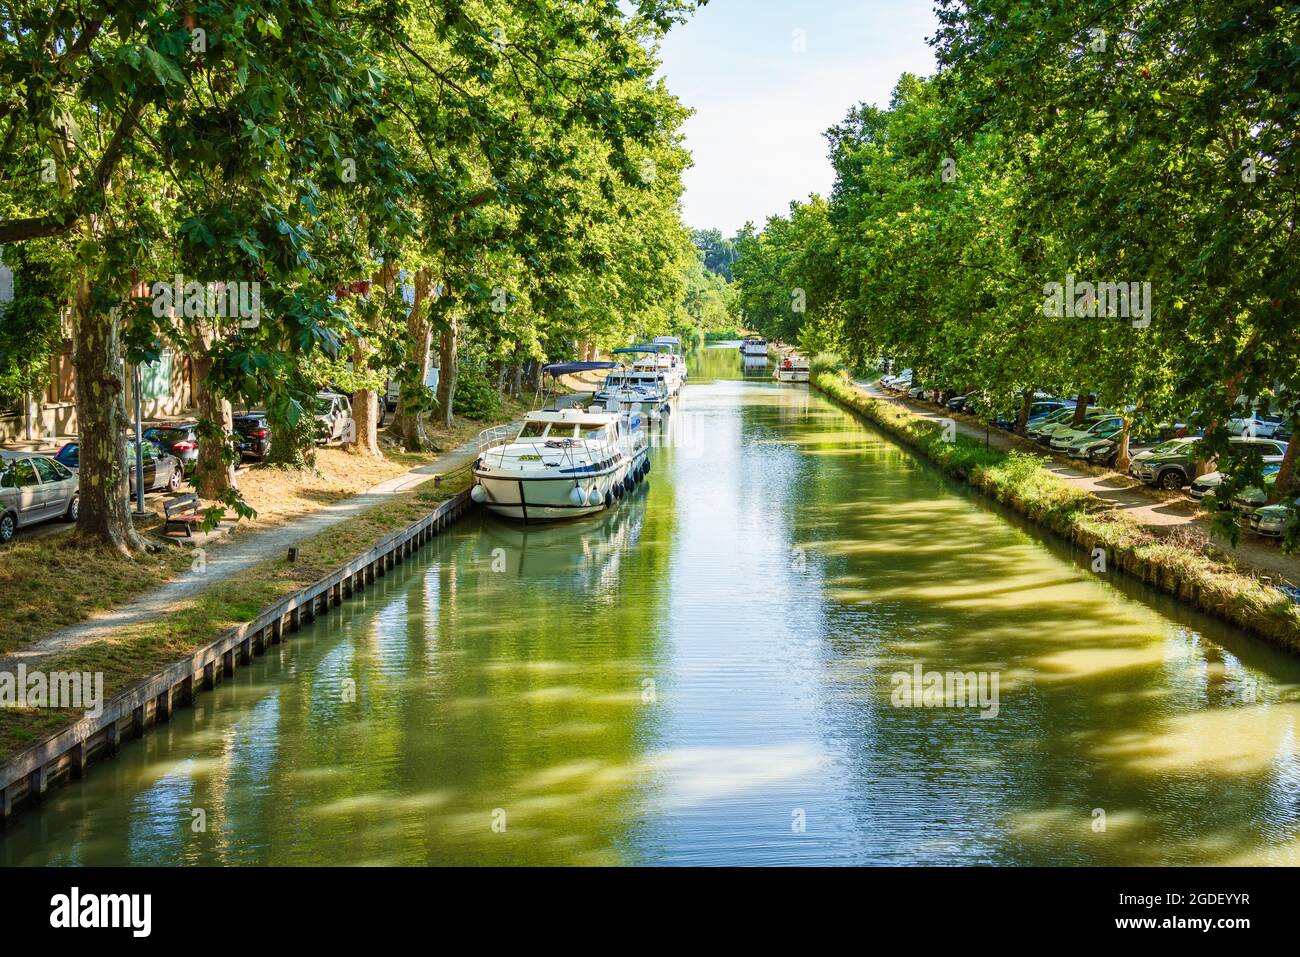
x=139, y=449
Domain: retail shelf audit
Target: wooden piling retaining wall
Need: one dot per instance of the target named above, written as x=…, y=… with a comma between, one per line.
x=66, y=754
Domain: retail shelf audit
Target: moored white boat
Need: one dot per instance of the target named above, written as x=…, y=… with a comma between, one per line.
x=792, y=368
x=563, y=463
x=636, y=390
x=665, y=361
x=753, y=346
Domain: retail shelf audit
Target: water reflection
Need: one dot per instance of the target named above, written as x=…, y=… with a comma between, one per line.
x=703, y=675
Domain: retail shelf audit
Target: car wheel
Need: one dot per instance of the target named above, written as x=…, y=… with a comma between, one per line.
x=74, y=508
x=8, y=528
x=174, y=482
x=1171, y=480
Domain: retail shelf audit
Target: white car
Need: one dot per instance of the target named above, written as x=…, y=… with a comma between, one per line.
x=336, y=423
x=34, y=488
x=1255, y=426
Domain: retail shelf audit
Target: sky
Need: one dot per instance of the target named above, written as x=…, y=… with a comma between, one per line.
x=762, y=104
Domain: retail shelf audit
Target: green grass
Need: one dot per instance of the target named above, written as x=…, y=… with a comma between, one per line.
x=1178, y=565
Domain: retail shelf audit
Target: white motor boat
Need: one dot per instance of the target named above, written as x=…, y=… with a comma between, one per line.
x=563, y=463
x=663, y=361
x=636, y=390
x=792, y=368
x=753, y=346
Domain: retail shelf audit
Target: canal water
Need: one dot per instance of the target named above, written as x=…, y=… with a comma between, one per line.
x=709, y=674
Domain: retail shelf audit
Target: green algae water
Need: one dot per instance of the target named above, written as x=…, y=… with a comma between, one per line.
x=708, y=674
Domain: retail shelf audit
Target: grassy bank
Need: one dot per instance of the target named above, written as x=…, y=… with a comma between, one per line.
x=47, y=583
x=1177, y=565
x=134, y=652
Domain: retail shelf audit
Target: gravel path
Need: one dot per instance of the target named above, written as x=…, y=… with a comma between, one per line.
x=1160, y=512
x=231, y=558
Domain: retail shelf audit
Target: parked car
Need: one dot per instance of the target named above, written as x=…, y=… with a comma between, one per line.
x=253, y=434
x=1248, y=500
x=1103, y=428
x=1054, y=417
x=1257, y=425
x=180, y=439
x=69, y=455
x=1205, y=485
x=1273, y=521
x=1172, y=464
x=1044, y=434
x=1106, y=451
x=335, y=418
x=34, y=488
x=161, y=469
x=957, y=403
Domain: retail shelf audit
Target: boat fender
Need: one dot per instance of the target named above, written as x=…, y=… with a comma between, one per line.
x=628, y=483
x=578, y=496
x=646, y=467
x=478, y=493
x=609, y=499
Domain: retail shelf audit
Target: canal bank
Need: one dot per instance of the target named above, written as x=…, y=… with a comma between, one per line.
x=1017, y=481
x=706, y=674
x=269, y=602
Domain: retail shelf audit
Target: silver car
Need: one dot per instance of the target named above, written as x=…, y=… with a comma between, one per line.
x=34, y=488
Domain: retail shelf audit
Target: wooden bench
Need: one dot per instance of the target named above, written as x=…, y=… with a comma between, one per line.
x=182, y=512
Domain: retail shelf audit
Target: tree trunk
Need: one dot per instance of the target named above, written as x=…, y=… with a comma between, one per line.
x=214, y=473
x=105, y=512
x=365, y=406
x=1284, y=485
x=1081, y=410
x=447, y=373
x=1122, y=459
x=408, y=419
x=1026, y=402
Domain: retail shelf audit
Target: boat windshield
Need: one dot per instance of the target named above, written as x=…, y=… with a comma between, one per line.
x=533, y=430
x=593, y=433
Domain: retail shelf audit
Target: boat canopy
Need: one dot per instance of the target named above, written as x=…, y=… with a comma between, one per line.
x=568, y=368
x=668, y=340
x=655, y=347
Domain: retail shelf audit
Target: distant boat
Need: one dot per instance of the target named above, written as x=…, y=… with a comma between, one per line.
x=563, y=463
x=792, y=368
x=753, y=346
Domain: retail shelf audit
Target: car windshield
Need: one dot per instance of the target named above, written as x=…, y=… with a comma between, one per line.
x=1173, y=445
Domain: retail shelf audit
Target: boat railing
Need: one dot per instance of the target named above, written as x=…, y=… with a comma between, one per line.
x=497, y=435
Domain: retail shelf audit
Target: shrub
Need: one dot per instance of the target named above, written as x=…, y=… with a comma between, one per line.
x=476, y=397
x=826, y=362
